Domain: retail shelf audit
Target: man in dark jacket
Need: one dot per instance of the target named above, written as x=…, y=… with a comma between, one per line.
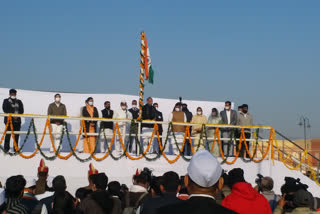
x=14, y=106
x=106, y=126
x=228, y=117
x=148, y=113
x=203, y=182
x=169, y=186
x=14, y=191
x=100, y=201
x=187, y=148
x=159, y=117
x=133, y=128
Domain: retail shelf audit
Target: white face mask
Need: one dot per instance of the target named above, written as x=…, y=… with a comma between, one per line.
x=227, y=107
x=57, y=99
x=13, y=97
x=134, y=106
x=123, y=107
x=90, y=103
x=177, y=109
x=199, y=112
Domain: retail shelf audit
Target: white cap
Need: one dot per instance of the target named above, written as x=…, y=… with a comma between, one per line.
x=204, y=169
x=2, y=196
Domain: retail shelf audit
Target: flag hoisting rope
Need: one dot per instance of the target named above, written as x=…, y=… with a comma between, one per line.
x=146, y=71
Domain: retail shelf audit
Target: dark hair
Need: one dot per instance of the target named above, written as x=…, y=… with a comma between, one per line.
x=170, y=181
x=101, y=181
x=144, y=177
x=106, y=102
x=149, y=98
x=57, y=95
x=228, y=102
x=245, y=106
x=89, y=98
x=215, y=110
x=14, y=186
x=82, y=193
x=235, y=175
x=134, y=101
x=199, y=108
x=240, y=106
x=184, y=104
x=155, y=104
x=12, y=91
x=114, y=188
x=59, y=184
x=155, y=184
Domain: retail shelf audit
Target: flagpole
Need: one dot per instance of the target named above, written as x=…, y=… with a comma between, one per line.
x=141, y=79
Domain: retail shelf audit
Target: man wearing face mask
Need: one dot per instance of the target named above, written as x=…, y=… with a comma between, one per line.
x=134, y=110
x=148, y=113
x=187, y=147
x=122, y=113
x=57, y=109
x=106, y=126
x=14, y=106
x=197, y=130
x=245, y=119
x=159, y=117
x=228, y=117
x=178, y=130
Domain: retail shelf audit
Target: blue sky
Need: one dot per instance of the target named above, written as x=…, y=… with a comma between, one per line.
x=264, y=53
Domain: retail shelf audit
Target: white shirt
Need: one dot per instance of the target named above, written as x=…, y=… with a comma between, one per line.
x=202, y=195
x=229, y=116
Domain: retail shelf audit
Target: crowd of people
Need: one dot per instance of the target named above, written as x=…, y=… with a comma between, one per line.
x=206, y=188
x=150, y=111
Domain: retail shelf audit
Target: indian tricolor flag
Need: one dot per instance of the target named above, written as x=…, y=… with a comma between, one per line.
x=145, y=62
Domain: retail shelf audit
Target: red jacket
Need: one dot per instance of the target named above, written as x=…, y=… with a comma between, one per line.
x=246, y=200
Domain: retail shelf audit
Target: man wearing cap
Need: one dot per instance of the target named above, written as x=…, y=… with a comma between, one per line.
x=203, y=182
x=14, y=106
x=122, y=113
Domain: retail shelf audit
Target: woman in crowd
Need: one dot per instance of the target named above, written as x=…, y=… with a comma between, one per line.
x=89, y=142
x=214, y=118
x=197, y=131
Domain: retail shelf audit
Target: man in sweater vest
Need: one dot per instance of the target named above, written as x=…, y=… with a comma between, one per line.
x=178, y=131
x=57, y=109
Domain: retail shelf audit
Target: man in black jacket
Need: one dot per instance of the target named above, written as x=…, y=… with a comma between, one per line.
x=14, y=106
x=148, y=113
x=203, y=182
x=159, y=117
x=133, y=128
x=106, y=126
x=169, y=186
x=187, y=148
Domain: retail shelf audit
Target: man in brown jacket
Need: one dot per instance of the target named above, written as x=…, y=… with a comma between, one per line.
x=57, y=109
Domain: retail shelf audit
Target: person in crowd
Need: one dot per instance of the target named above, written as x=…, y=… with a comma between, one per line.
x=57, y=109
x=134, y=110
x=100, y=201
x=138, y=192
x=214, y=118
x=89, y=141
x=169, y=186
x=148, y=113
x=266, y=187
x=30, y=201
x=203, y=182
x=154, y=189
x=62, y=202
x=228, y=117
x=122, y=113
x=106, y=126
x=12, y=105
x=177, y=130
x=159, y=117
x=225, y=191
x=302, y=201
x=114, y=188
x=244, y=198
x=91, y=173
x=187, y=147
x=42, y=189
x=13, y=192
x=198, y=132
x=245, y=119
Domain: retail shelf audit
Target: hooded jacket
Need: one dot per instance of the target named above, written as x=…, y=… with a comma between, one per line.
x=245, y=199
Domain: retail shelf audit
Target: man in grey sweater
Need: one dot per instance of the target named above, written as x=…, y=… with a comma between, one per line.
x=57, y=109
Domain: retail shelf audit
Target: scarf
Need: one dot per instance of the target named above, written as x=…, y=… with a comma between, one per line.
x=90, y=110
